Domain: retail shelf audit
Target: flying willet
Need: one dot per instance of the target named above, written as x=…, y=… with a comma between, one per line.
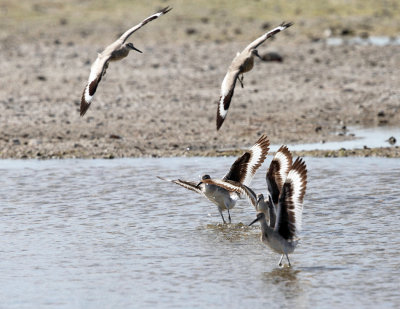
x=224, y=193
x=282, y=238
x=242, y=63
x=113, y=52
x=275, y=177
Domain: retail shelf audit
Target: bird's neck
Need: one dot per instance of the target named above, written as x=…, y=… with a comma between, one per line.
x=266, y=229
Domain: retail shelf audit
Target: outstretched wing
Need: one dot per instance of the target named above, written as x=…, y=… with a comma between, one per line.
x=290, y=207
x=96, y=73
x=186, y=184
x=264, y=37
x=244, y=168
x=227, y=89
x=277, y=172
x=233, y=186
x=127, y=33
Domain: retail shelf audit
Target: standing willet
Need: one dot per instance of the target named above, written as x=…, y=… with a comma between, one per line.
x=275, y=177
x=224, y=193
x=113, y=52
x=242, y=63
x=282, y=238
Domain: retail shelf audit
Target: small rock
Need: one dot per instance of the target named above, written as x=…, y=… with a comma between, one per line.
x=318, y=128
x=381, y=114
x=347, y=31
x=191, y=31
x=392, y=140
x=63, y=21
x=266, y=26
x=41, y=78
x=271, y=56
x=16, y=141
x=115, y=136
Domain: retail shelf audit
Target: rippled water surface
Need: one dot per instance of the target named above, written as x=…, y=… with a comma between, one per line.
x=109, y=234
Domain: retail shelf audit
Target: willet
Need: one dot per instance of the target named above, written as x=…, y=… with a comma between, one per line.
x=113, y=52
x=242, y=63
x=283, y=237
x=275, y=177
x=224, y=193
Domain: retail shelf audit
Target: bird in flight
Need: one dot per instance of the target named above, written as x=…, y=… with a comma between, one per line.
x=242, y=63
x=113, y=52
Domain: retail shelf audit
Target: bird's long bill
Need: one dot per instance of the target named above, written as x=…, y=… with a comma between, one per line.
x=257, y=54
x=255, y=220
x=134, y=48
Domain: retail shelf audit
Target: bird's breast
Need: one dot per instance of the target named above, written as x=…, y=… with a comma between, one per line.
x=119, y=54
x=247, y=64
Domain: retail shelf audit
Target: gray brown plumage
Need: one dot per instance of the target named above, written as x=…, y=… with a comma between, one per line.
x=283, y=236
x=113, y=52
x=226, y=191
x=242, y=63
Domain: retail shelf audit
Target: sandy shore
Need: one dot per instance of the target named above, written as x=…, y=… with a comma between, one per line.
x=163, y=102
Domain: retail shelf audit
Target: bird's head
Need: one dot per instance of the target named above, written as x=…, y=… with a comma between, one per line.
x=254, y=52
x=260, y=203
x=130, y=45
x=204, y=177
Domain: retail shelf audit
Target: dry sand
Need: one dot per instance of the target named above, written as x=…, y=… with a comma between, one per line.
x=163, y=102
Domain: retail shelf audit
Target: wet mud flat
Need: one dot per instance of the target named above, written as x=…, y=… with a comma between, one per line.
x=164, y=102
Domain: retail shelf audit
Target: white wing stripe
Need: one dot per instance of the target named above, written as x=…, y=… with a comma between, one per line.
x=256, y=154
x=298, y=186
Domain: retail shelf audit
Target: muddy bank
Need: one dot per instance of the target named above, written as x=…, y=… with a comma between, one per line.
x=164, y=102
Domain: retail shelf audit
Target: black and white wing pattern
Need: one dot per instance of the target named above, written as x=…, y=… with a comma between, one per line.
x=244, y=168
x=290, y=206
x=96, y=73
x=277, y=172
x=193, y=186
x=227, y=89
x=129, y=32
x=269, y=34
x=98, y=68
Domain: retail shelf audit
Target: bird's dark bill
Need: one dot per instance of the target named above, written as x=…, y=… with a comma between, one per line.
x=134, y=48
x=255, y=220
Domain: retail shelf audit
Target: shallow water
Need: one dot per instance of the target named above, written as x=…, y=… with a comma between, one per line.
x=108, y=234
x=369, y=137
x=372, y=40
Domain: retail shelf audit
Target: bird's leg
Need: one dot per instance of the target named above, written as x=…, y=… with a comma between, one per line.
x=288, y=259
x=105, y=68
x=280, y=261
x=222, y=216
x=229, y=215
x=241, y=80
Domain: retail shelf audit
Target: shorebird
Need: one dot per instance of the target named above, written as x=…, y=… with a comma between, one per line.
x=113, y=52
x=283, y=237
x=242, y=63
x=225, y=192
x=275, y=177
